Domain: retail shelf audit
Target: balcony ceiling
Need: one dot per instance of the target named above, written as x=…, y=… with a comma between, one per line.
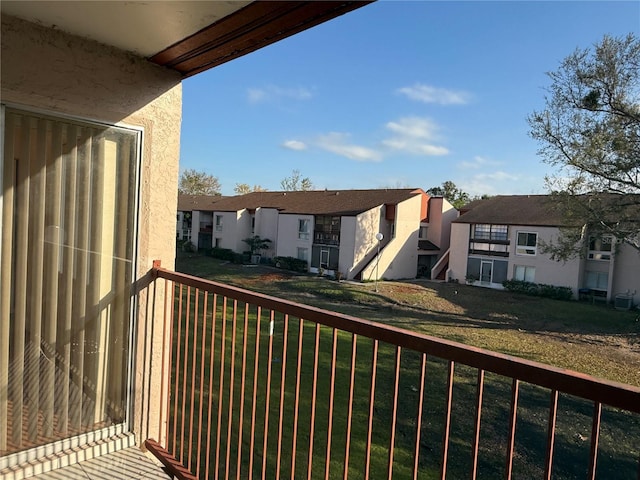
x=188, y=36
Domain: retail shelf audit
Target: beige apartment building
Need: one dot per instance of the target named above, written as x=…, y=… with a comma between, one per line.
x=500, y=239
x=338, y=230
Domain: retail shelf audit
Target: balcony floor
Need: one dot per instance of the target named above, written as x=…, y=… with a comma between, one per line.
x=128, y=464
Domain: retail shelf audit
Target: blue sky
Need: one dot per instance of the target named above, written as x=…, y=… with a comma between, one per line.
x=394, y=94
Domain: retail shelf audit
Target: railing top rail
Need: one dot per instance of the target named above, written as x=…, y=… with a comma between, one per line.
x=563, y=380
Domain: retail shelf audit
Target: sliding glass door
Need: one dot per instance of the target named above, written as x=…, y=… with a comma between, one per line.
x=66, y=266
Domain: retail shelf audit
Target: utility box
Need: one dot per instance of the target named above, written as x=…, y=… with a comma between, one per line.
x=623, y=301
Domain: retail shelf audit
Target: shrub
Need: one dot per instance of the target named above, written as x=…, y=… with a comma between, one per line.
x=224, y=254
x=291, y=263
x=538, y=289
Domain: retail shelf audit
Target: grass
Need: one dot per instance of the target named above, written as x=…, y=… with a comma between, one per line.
x=534, y=328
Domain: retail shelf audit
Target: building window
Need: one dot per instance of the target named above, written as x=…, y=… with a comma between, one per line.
x=490, y=232
x=526, y=243
x=422, y=233
x=218, y=223
x=597, y=280
x=217, y=242
x=303, y=254
x=600, y=247
x=524, y=273
x=303, y=229
x=486, y=270
x=253, y=224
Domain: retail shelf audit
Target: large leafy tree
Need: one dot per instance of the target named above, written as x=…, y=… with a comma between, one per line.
x=296, y=182
x=590, y=131
x=452, y=193
x=193, y=182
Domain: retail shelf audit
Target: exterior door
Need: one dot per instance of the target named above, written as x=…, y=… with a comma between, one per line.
x=485, y=271
x=67, y=263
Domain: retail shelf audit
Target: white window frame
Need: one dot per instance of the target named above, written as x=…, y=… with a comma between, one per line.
x=218, y=224
x=524, y=249
x=303, y=254
x=597, y=285
x=303, y=228
x=528, y=273
x=601, y=255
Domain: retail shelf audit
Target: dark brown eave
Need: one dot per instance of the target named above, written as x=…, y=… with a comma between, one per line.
x=257, y=25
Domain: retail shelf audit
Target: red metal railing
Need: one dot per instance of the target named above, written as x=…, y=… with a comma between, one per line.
x=252, y=396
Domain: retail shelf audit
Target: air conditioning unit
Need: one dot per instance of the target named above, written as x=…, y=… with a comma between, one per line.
x=623, y=301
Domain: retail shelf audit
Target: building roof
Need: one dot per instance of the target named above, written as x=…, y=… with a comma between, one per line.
x=203, y=203
x=318, y=202
x=536, y=210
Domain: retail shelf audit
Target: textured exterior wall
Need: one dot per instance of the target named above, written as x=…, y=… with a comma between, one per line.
x=49, y=70
x=626, y=276
x=288, y=241
x=459, y=251
x=399, y=257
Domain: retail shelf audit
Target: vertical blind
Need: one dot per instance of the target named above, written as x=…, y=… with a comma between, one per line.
x=68, y=210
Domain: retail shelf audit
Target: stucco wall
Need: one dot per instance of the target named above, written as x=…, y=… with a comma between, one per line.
x=267, y=227
x=49, y=70
x=459, y=250
x=548, y=271
x=626, y=276
x=288, y=241
x=399, y=257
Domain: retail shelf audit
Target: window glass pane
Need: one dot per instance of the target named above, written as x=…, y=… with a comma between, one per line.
x=500, y=268
x=68, y=246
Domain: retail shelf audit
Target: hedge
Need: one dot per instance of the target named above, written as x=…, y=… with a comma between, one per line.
x=538, y=289
x=291, y=263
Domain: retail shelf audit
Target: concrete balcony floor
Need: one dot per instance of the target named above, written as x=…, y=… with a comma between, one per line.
x=127, y=464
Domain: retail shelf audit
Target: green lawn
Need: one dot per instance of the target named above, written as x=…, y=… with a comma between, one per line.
x=593, y=339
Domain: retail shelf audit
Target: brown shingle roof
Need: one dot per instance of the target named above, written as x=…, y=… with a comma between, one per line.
x=203, y=203
x=513, y=210
x=317, y=202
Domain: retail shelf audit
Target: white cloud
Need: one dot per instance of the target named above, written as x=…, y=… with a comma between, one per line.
x=428, y=94
x=272, y=93
x=497, y=176
x=295, y=145
x=478, y=162
x=336, y=142
x=414, y=135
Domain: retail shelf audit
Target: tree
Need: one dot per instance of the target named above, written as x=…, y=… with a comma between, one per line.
x=590, y=130
x=193, y=182
x=243, y=188
x=257, y=243
x=296, y=183
x=452, y=193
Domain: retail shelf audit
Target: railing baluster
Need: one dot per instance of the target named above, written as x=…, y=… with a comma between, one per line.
x=476, y=437
x=551, y=434
x=416, y=451
x=211, y=366
x=193, y=376
x=332, y=389
x=245, y=336
x=314, y=390
x=352, y=378
x=167, y=347
x=296, y=405
x=513, y=417
x=174, y=388
x=283, y=373
x=255, y=393
x=265, y=438
x=223, y=337
x=394, y=413
x=232, y=376
x=202, y=373
x=447, y=421
x=595, y=438
x=372, y=395
x=184, y=375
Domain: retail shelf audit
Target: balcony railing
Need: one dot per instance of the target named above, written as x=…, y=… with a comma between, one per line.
x=261, y=387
